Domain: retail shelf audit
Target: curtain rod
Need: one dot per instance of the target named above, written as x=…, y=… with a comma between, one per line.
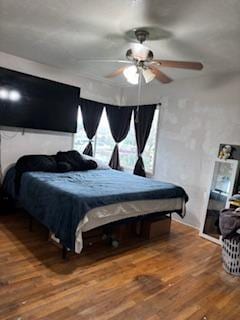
x=120, y=106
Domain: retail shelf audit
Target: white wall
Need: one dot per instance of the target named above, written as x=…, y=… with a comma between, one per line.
x=14, y=143
x=196, y=116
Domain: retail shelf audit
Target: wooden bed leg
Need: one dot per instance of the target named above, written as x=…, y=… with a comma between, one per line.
x=64, y=253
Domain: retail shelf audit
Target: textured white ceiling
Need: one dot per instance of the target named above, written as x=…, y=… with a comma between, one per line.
x=62, y=33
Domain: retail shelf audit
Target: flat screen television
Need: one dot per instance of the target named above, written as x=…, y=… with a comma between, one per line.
x=31, y=102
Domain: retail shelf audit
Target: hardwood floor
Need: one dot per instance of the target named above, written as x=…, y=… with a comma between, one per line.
x=174, y=278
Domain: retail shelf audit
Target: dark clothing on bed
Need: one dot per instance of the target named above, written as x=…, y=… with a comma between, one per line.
x=61, y=200
x=75, y=161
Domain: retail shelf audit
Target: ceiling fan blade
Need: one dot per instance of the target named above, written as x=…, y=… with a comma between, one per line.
x=116, y=73
x=179, y=64
x=162, y=77
x=105, y=61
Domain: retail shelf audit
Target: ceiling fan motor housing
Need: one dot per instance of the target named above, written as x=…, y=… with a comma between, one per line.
x=141, y=35
x=134, y=57
x=141, y=53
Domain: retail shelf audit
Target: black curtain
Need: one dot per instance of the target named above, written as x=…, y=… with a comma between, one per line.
x=91, y=114
x=119, y=119
x=143, y=123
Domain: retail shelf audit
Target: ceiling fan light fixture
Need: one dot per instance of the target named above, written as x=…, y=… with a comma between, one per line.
x=140, y=52
x=131, y=74
x=145, y=65
x=148, y=75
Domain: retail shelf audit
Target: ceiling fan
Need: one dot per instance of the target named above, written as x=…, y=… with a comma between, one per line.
x=144, y=65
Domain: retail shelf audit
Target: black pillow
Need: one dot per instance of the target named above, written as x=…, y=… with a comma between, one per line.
x=33, y=163
x=71, y=157
x=75, y=160
x=90, y=165
x=63, y=167
x=36, y=163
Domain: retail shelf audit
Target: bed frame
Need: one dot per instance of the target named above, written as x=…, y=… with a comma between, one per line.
x=143, y=221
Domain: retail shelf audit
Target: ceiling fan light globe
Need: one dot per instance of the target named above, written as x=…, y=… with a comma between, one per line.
x=148, y=75
x=133, y=81
x=131, y=74
x=140, y=52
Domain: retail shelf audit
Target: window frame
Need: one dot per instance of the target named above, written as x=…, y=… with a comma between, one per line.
x=148, y=174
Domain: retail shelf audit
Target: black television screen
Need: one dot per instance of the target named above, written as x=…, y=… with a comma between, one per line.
x=32, y=102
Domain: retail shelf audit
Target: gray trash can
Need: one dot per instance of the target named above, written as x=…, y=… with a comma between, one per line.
x=229, y=223
x=231, y=256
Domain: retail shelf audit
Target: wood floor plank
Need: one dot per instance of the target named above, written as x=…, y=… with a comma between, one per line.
x=176, y=277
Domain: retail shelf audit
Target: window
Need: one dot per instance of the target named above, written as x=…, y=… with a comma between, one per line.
x=128, y=147
x=80, y=138
x=150, y=148
x=103, y=143
x=104, y=140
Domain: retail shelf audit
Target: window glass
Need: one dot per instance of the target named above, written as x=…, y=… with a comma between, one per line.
x=128, y=149
x=104, y=140
x=150, y=148
x=80, y=138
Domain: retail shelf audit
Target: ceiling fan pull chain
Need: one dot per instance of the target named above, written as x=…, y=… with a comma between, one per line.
x=139, y=95
x=137, y=115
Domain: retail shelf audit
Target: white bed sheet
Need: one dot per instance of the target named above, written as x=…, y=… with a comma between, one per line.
x=107, y=214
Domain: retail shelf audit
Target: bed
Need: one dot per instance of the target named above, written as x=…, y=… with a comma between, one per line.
x=71, y=203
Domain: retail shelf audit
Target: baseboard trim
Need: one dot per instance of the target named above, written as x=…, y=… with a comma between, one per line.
x=185, y=223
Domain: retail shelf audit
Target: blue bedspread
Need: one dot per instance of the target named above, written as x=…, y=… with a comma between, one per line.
x=61, y=200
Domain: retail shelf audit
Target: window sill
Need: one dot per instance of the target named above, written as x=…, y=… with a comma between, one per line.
x=130, y=170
